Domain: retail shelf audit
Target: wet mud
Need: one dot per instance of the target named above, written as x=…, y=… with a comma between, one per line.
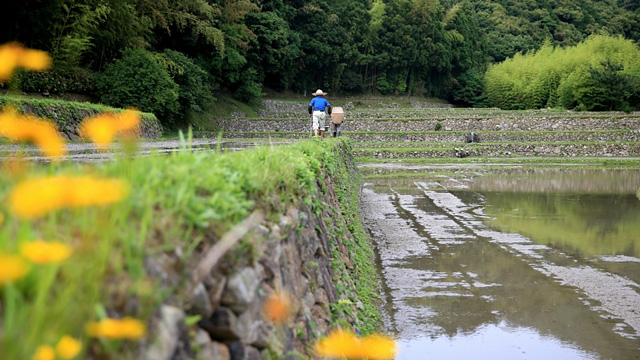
x=457, y=287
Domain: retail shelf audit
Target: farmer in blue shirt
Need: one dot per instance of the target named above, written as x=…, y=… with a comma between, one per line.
x=317, y=108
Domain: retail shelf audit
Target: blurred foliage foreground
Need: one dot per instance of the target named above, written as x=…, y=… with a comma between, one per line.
x=74, y=238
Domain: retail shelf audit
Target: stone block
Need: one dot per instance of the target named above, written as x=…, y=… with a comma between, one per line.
x=214, y=351
x=249, y=322
x=167, y=334
x=215, y=284
x=209, y=349
x=222, y=325
x=241, y=289
x=200, y=304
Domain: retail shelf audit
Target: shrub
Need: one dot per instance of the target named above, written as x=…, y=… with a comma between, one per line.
x=56, y=81
x=383, y=85
x=194, y=86
x=250, y=89
x=468, y=90
x=139, y=80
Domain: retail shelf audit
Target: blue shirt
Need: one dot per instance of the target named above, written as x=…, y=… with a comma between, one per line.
x=319, y=103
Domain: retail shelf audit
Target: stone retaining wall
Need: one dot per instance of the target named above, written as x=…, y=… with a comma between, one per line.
x=295, y=252
x=488, y=124
x=460, y=137
x=500, y=150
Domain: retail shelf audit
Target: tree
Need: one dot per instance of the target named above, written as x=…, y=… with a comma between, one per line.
x=608, y=88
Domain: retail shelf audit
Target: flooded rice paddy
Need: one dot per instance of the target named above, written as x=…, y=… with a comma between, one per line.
x=538, y=264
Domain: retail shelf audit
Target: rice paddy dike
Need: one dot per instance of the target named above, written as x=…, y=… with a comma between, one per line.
x=415, y=131
x=197, y=252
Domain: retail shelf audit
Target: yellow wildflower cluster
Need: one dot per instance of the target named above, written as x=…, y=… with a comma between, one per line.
x=17, y=127
x=37, y=197
x=126, y=328
x=42, y=252
x=13, y=55
x=343, y=344
x=103, y=128
x=67, y=348
x=12, y=268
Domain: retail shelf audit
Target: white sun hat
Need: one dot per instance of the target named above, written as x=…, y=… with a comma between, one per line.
x=319, y=92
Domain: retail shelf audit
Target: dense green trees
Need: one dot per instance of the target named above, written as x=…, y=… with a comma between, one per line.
x=414, y=47
x=601, y=73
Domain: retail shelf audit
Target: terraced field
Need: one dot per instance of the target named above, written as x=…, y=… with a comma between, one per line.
x=413, y=131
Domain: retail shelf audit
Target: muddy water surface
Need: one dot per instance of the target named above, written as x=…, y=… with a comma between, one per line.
x=510, y=265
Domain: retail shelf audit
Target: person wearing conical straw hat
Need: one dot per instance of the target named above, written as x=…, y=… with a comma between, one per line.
x=318, y=109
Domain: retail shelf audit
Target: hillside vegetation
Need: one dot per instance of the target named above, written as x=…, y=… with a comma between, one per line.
x=169, y=57
x=601, y=73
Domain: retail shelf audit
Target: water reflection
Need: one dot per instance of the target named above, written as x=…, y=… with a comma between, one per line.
x=558, y=280
x=493, y=341
x=560, y=181
x=582, y=224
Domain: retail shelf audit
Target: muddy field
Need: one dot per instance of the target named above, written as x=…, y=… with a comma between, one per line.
x=457, y=286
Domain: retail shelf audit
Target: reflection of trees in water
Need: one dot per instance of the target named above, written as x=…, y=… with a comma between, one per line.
x=548, y=180
x=495, y=286
x=589, y=224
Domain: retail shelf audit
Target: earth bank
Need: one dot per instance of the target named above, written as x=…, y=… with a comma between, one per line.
x=317, y=251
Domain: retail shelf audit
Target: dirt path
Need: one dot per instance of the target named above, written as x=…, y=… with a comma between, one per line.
x=87, y=152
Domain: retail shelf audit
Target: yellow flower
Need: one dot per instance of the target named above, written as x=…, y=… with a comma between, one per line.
x=378, y=347
x=9, y=54
x=41, y=252
x=277, y=308
x=13, y=55
x=103, y=128
x=343, y=344
x=36, y=197
x=17, y=127
x=68, y=347
x=44, y=352
x=126, y=328
x=12, y=268
x=36, y=60
x=338, y=344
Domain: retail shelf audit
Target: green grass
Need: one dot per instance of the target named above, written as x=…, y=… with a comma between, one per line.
x=222, y=107
x=177, y=201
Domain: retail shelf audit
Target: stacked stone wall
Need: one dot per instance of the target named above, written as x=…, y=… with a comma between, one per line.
x=294, y=252
x=302, y=124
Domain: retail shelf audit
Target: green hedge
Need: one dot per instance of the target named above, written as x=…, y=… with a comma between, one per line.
x=56, y=81
x=69, y=114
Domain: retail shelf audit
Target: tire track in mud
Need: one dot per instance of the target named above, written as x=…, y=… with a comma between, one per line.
x=446, y=273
